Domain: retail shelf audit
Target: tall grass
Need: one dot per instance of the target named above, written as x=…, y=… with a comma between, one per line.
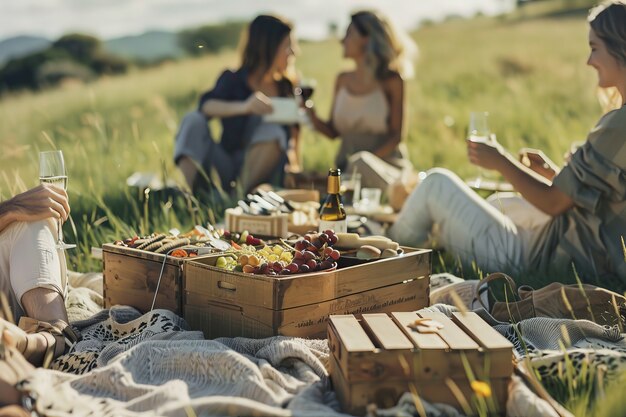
x=527, y=70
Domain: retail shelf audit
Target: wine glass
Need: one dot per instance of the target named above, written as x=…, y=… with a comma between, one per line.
x=305, y=89
x=52, y=171
x=479, y=132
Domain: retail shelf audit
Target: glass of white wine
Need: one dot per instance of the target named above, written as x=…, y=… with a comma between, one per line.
x=52, y=171
x=478, y=131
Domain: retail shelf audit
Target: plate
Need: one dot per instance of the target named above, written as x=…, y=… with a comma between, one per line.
x=286, y=111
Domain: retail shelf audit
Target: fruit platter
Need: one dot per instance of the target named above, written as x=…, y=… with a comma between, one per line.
x=313, y=252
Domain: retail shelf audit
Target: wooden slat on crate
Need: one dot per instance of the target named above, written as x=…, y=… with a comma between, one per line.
x=497, y=349
x=481, y=332
x=423, y=341
x=301, y=321
x=356, y=339
x=385, y=332
x=451, y=334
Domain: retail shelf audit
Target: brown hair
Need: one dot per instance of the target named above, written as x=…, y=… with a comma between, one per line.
x=608, y=22
x=261, y=42
x=388, y=50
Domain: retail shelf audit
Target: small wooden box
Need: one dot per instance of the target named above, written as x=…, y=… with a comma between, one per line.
x=131, y=276
x=229, y=304
x=270, y=225
x=377, y=357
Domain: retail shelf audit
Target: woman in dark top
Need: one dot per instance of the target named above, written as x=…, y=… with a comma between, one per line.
x=250, y=150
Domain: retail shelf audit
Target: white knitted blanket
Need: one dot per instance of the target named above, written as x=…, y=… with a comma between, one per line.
x=173, y=372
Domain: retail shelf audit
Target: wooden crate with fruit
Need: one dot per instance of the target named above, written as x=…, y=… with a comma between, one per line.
x=132, y=267
x=460, y=361
x=294, y=296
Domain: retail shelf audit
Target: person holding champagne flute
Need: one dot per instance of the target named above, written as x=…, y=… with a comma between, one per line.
x=584, y=203
x=369, y=103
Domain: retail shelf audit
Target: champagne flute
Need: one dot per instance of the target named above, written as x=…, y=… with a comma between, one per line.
x=479, y=132
x=52, y=171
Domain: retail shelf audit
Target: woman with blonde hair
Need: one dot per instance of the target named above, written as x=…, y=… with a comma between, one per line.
x=369, y=101
x=585, y=202
x=240, y=99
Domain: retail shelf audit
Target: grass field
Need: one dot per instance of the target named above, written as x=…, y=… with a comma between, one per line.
x=528, y=70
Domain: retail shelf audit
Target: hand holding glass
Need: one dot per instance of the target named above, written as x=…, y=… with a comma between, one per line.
x=52, y=171
x=479, y=132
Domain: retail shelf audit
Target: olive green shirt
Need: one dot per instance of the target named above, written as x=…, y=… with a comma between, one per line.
x=590, y=234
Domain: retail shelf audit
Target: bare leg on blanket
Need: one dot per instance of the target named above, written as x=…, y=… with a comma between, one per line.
x=44, y=304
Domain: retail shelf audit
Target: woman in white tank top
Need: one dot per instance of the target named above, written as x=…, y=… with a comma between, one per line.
x=368, y=107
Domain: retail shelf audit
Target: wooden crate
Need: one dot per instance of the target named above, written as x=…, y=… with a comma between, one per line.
x=377, y=357
x=229, y=304
x=131, y=276
x=267, y=225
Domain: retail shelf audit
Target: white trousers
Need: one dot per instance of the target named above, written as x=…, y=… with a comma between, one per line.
x=29, y=259
x=444, y=212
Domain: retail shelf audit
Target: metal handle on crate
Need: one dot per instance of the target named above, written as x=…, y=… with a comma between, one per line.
x=226, y=286
x=156, y=291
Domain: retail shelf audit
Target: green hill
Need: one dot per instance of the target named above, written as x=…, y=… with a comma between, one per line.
x=19, y=46
x=149, y=46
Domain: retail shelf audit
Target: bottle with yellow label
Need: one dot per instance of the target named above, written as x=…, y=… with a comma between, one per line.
x=332, y=213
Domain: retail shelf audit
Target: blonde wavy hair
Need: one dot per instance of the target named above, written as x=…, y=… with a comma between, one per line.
x=388, y=49
x=608, y=21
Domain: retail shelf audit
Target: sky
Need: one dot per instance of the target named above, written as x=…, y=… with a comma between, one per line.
x=113, y=18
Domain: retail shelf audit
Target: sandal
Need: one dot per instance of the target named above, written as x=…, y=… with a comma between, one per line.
x=59, y=337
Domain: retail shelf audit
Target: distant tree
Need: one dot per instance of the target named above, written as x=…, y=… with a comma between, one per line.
x=105, y=63
x=81, y=47
x=210, y=38
x=22, y=72
x=53, y=72
x=71, y=56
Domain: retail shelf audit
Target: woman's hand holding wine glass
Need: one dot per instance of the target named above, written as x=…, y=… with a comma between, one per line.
x=52, y=171
x=483, y=149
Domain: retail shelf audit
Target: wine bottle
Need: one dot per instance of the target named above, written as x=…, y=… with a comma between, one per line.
x=332, y=214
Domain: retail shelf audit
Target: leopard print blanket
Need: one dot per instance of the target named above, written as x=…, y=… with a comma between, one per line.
x=552, y=345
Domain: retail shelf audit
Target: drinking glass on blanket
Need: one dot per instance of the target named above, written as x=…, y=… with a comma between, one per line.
x=52, y=171
x=478, y=131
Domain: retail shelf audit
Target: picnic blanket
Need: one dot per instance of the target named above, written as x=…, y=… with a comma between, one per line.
x=134, y=365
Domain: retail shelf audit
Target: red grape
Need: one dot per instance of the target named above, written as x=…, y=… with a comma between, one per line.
x=326, y=265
